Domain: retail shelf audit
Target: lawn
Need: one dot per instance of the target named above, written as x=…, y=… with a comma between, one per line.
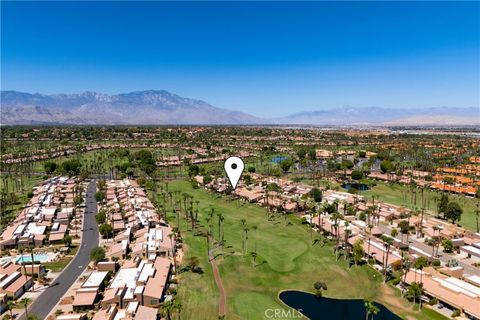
x=287, y=259
x=395, y=194
x=59, y=265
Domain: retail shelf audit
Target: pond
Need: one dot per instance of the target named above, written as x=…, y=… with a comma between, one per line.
x=327, y=308
x=355, y=185
x=278, y=159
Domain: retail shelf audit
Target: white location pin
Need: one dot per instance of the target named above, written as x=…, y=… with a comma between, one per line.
x=234, y=168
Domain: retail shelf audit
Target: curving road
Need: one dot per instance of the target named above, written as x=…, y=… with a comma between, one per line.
x=44, y=304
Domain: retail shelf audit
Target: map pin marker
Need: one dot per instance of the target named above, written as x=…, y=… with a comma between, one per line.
x=234, y=168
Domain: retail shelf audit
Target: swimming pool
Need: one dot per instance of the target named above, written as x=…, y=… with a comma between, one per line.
x=36, y=258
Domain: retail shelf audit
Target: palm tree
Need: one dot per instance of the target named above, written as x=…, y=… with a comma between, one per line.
x=336, y=217
x=370, y=226
x=168, y=307
x=246, y=229
x=25, y=302
x=254, y=256
x=421, y=263
x=387, y=242
x=9, y=307
x=406, y=264
x=21, y=250
x=370, y=309
x=32, y=263
x=347, y=233
x=244, y=222
x=220, y=221
x=254, y=229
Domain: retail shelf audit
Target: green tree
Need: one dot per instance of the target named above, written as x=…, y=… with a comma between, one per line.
x=357, y=175
x=301, y=153
x=9, y=307
x=386, y=166
x=316, y=194
x=247, y=179
x=67, y=240
x=357, y=251
x=346, y=164
x=71, y=167
x=453, y=212
x=370, y=309
x=25, y=302
x=101, y=216
x=415, y=291
x=447, y=245
x=319, y=287
x=97, y=254
x=404, y=227
x=105, y=230
x=286, y=164
x=443, y=203
x=193, y=170
x=50, y=166
x=99, y=196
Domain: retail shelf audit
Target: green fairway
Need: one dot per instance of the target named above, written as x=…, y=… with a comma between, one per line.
x=287, y=259
x=395, y=194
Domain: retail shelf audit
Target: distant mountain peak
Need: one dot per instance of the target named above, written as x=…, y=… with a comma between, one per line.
x=136, y=107
x=164, y=107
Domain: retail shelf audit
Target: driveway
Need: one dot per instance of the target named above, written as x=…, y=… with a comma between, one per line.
x=44, y=304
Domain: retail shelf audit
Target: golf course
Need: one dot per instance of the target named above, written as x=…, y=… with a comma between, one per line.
x=288, y=256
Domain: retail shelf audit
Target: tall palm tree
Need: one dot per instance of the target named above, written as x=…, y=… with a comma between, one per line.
x=246, y=229
x=254, y=229
x=32, y=264
x=336, y=216
x=347, y=233
x=25, y=302
x=421, y=263
x=387, y=242
x=220, y=223
x=244, y=222
x=21, y=250
x=370, y=226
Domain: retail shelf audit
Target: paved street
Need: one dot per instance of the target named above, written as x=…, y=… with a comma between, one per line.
x=444, y=257
x=50, y=297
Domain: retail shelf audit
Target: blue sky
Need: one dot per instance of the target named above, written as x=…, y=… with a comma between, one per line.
x=267, y=59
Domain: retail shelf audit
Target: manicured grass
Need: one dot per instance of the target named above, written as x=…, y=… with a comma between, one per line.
x=395, y=194
x=59, y=265
x=287, y=259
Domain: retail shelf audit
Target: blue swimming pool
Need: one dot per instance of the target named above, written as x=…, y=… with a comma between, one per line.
x=36, y=258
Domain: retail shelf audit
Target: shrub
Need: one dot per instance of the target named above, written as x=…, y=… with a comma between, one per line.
x=436, y=263
x=357, y=175
x=97, y=254
x=433, y=301
x=456, y=313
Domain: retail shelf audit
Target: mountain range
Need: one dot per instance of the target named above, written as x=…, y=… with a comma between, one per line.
x=162, y=107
